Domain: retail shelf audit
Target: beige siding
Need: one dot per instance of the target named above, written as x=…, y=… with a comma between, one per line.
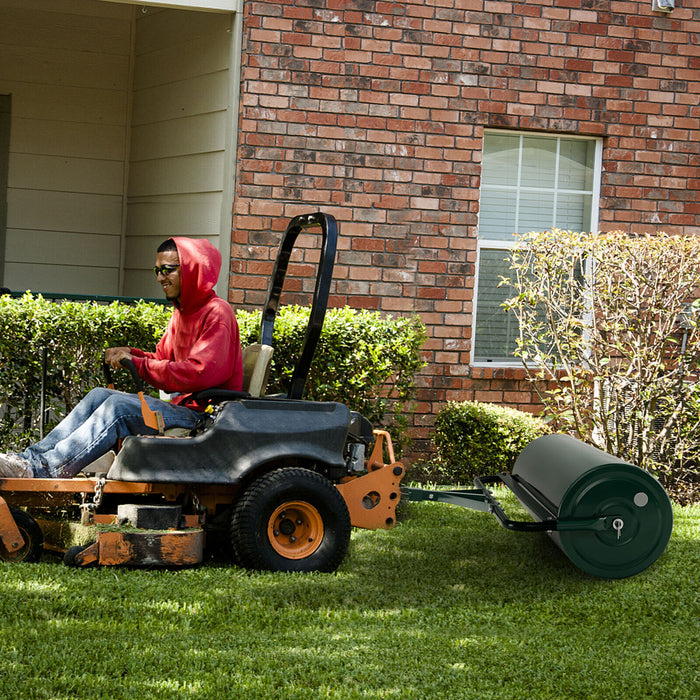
x=178, y=145
x=67, y=65
x=200, y=133
x=55, y=173
x=169, y=214
x=120, y=128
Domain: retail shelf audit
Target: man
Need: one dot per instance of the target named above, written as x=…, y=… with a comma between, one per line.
x=200, y=350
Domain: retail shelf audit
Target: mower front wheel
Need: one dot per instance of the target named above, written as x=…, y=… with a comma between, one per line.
x=72, y=553
x=32, y=535
x=291, y=520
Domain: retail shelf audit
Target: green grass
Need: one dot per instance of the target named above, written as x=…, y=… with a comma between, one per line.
x=446, y=605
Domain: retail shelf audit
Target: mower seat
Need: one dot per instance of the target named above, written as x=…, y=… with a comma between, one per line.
x=257, y=359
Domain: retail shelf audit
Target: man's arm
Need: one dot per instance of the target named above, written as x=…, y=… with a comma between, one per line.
x=209, y=362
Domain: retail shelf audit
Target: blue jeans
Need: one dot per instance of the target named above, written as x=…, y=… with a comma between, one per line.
x=93, y=428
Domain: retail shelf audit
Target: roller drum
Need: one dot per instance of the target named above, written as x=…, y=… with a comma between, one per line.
x=577, y=482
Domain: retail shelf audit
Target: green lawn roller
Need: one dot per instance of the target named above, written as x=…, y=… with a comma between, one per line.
x=612, y=519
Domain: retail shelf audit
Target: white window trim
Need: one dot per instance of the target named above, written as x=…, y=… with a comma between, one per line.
x=508, y=245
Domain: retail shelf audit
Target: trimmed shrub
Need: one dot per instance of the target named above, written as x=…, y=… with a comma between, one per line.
x=71, y=336
x=364, y=360
x=477, y=439
x=610, y=338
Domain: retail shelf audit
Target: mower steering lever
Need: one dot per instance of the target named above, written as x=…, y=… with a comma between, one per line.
x=153, y=419
x=126, y=364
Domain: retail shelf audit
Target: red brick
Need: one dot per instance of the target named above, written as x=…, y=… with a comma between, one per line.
x=386, y=123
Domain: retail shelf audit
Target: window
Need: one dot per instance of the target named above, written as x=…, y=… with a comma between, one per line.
x=529, y=182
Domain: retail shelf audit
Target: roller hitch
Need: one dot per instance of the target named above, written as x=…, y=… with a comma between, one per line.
x=483, y=499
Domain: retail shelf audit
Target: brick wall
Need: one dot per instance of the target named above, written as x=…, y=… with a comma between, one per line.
x=374, y=112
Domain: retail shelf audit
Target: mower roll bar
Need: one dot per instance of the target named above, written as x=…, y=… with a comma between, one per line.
x=329, y=238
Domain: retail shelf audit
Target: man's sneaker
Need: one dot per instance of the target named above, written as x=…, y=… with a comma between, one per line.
x=14, y=466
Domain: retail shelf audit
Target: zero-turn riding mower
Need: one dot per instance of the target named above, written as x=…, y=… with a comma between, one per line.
x=286, y=478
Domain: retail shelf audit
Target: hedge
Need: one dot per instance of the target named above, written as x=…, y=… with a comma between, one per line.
x=365, y=360
x=476, y=439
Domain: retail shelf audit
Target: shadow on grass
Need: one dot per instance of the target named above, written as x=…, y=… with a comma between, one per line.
x=465, y=556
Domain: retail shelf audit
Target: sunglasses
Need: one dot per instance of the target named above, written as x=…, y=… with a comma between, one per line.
x=164, y=269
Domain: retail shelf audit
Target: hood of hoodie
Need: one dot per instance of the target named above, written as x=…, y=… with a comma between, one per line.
x=200, y=264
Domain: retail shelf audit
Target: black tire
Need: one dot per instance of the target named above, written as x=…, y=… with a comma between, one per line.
x=72, y=553
x=33, y=539
x=291, y=520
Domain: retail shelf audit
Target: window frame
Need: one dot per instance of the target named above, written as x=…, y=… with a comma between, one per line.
x=503, y=244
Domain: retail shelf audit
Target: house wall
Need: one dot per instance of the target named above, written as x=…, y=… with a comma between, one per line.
x=5, y=107
x=375, y=112
x=120, y=133
x=66, y=66
x=179, y=135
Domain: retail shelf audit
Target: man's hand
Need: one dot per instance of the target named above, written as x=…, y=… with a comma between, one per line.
x=114, y=356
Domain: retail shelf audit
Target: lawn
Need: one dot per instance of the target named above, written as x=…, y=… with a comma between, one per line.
x=446, y=605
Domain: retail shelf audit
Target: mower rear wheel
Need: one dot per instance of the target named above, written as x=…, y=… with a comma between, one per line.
x=32, y=535
x=291, y=520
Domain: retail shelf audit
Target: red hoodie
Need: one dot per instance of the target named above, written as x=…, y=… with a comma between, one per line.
x=201, y=347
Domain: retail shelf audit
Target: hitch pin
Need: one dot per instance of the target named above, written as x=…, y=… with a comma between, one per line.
x=618, y=524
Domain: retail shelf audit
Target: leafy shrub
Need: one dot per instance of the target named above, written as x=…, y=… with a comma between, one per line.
x=610, y=337
x=475, y=439
x=365, y=360
x=681, y=475
x=72, y=337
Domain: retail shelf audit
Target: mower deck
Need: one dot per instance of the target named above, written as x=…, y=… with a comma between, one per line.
x=371, y=499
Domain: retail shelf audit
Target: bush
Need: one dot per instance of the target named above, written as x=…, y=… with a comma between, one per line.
x=364, y=360
x=72, y=336
x=476, y=439
x=610, y=336
x=681, y=475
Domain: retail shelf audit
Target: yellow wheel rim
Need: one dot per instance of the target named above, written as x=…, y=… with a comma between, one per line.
x=295, y=530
